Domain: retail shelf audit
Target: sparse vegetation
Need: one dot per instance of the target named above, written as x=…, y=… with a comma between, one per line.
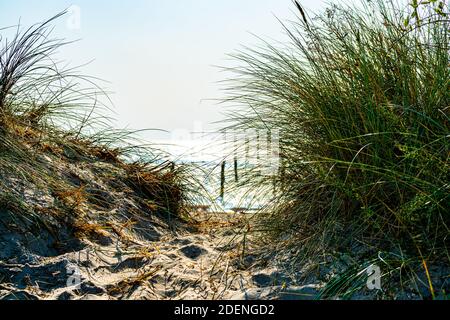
x=52, y=121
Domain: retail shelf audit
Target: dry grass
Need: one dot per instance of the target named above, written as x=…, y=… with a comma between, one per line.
x=129, y=285
x=73, y=197
x=89, y=230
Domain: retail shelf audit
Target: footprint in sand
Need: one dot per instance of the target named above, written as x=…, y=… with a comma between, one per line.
x=193, y=252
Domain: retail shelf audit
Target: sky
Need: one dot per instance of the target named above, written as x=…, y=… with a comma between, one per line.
x=159, y=57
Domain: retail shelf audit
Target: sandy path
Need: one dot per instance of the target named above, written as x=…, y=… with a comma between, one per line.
x=208, y=263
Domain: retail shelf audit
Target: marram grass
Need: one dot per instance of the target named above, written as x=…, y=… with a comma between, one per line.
x=47, y=108
x=361, y=98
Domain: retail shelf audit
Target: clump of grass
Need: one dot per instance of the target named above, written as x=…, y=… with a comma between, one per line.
x=71, y=198
x=361, y=98
x=163, y=184
x=51, y=115
x=91, y=230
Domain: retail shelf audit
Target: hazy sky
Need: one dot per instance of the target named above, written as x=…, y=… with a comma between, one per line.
x=158, y=55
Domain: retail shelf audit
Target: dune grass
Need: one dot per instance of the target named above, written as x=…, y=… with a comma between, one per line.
x=361, y=98
x=51, y=114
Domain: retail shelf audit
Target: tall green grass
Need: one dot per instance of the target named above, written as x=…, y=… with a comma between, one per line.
x=361, y=97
